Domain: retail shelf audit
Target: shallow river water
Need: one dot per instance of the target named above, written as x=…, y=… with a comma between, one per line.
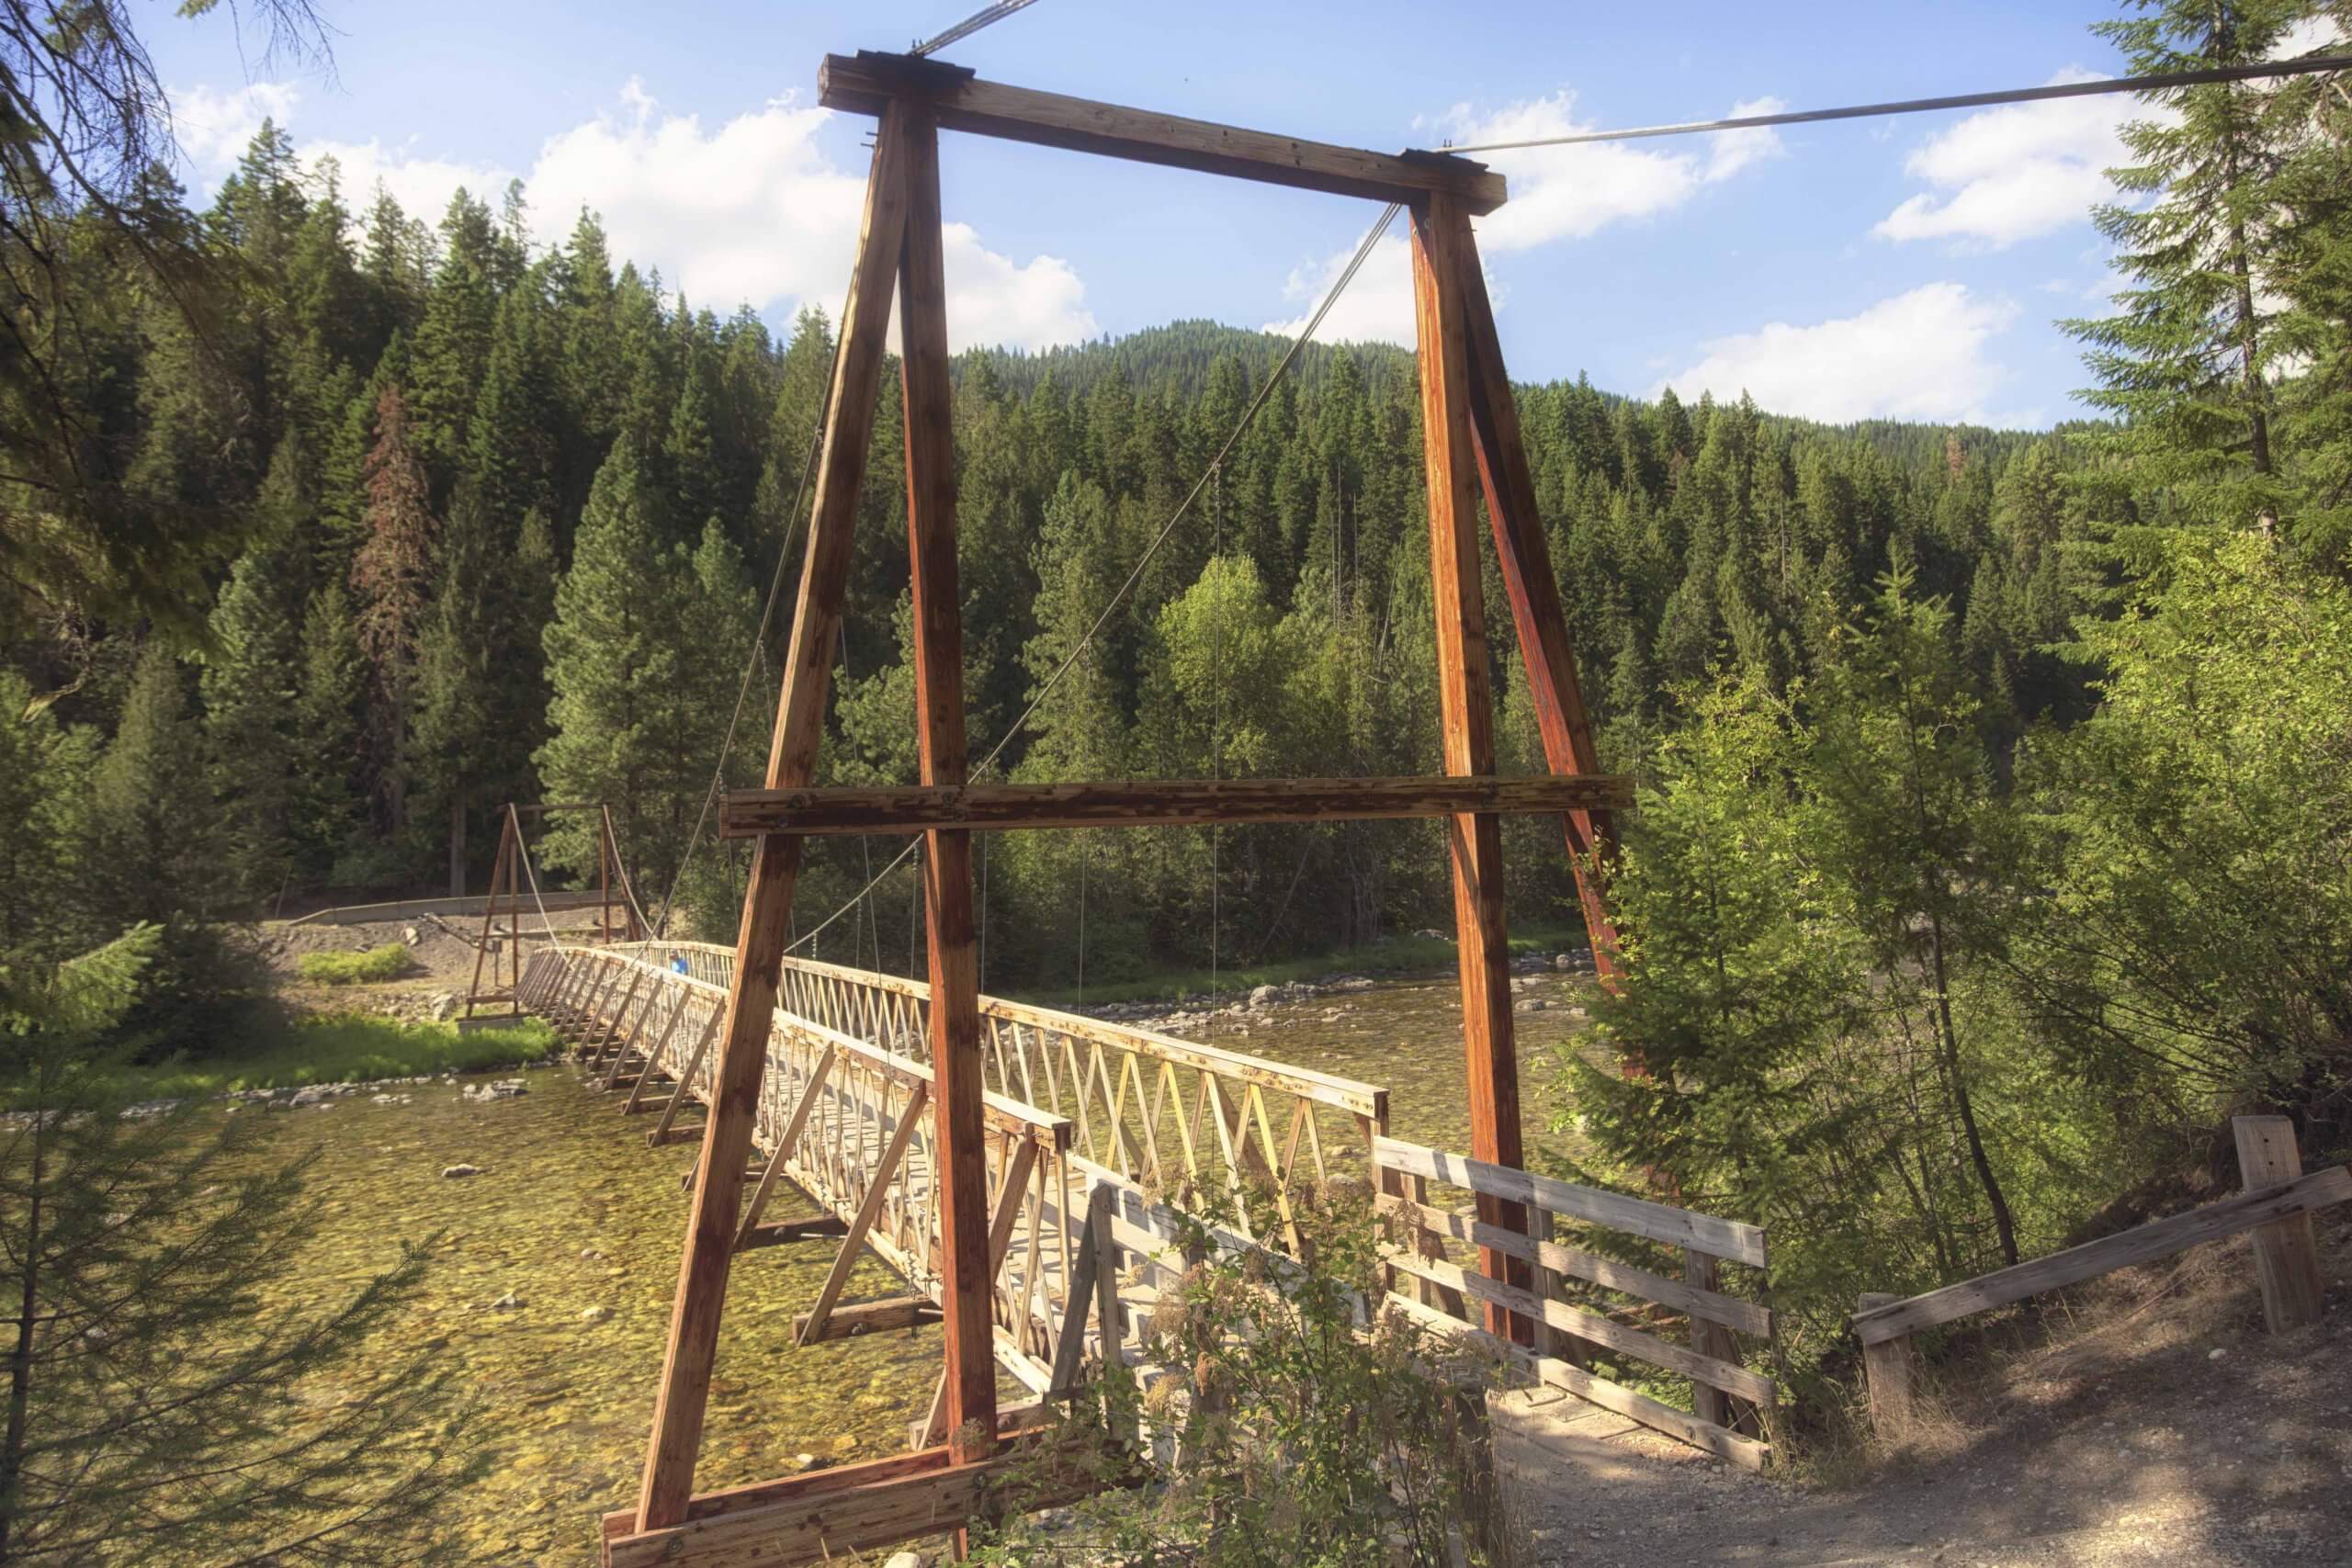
x=572, y=1215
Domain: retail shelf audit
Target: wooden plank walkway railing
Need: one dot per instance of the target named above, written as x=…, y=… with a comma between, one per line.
x=1575, y=1306
x=2275, y=1203
x=1174, y=1117
x=1076, y=1108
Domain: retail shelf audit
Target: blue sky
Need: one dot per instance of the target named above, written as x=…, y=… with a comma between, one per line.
x=1910, y=267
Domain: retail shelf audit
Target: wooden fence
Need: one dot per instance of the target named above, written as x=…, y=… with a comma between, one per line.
x=1578, y=1300
x=2275, y=1203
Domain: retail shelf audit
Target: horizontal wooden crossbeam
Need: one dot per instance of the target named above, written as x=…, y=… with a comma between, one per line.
x=863, y=83
x=871, y=1317
x=826, y=1514
x=1157, y=803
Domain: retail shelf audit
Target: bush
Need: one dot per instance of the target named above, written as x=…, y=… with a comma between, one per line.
x=1285, y=1430
x=389, y=961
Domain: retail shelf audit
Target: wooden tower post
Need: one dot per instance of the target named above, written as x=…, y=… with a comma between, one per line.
x=683, y=1395
x=1465, y=712
x=959, y=1150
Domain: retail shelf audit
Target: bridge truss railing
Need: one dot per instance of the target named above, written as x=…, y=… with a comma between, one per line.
x=1177, y=1119
x=845, y=1119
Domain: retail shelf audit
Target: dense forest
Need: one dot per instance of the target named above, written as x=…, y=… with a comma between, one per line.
x=1995, y=825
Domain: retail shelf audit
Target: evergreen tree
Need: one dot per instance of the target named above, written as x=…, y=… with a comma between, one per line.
x=390, y=576
x=2191, y=360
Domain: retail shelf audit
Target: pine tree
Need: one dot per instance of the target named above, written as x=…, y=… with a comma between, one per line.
x=2191, y=360
x=617, y=661
x=330, y=706
x=390, y=577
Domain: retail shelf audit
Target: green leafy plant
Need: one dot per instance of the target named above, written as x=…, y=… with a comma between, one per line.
x=1282, y=1427
x=377, y=965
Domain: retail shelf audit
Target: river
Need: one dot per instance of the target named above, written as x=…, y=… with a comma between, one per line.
x=574, y=1217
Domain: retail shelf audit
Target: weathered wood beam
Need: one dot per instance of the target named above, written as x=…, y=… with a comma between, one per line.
x=1525, y=557
x=682, y=1396
x=1156, y=802
x=2142, y=1244
x=877, y=1189
x=1465, y=713
x=827, y=1515
x=783, y=1233
x=868, y=1317
x=959, y=1146
x=864, y=83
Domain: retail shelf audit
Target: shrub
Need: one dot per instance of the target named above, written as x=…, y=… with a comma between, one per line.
x=389, y=961
x=1286, y=1429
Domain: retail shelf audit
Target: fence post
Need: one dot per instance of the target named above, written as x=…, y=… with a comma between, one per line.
x=1708, y=1338
x=1890, y=1368
x=2285, y=1257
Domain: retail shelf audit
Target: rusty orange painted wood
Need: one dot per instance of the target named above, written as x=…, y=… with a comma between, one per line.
x=1465, y=712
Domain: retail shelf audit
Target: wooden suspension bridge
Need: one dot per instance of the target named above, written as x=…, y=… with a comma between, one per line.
x=961, y=1138
x=1094, y=1131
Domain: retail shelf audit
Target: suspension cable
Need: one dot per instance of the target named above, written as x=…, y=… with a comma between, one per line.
x=1183, y=508
x=2155, y=83
x=982, y=17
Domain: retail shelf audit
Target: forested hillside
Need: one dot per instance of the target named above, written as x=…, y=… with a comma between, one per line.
x=504, y=523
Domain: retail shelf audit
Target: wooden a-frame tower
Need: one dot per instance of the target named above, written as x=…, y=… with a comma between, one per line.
x=1474, y=445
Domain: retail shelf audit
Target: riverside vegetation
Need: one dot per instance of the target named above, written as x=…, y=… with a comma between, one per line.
x=1995, y=825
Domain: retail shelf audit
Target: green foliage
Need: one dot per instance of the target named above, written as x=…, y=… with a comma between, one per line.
x=391, y=962
x=349, y=1048
x=1285, y=1430
x=2196, y=834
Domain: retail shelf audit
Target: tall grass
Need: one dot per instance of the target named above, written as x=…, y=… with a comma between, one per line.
x=389, y=961
x=352, y=1048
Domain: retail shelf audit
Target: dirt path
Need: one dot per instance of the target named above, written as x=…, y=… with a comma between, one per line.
x=2180, y=1433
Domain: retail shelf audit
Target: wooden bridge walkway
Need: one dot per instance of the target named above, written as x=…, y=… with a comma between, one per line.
x=1094, y=1130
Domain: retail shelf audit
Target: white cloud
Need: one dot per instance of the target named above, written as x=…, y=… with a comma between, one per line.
x=422, y=186
x=1555, y=193
x=1570, y=192
x=2013, y=173
x=752, y=210
x=213, y=127
x=1922, y=355
x=1377, y=307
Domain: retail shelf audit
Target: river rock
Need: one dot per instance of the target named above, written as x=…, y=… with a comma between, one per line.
x=902, y=1559
x=1428, y=933
x=412, y=936
x=452, y=1172
x=509, y=1302
x=443, y=1006
x=596, y=1315
x=314, y=1095
x=1265, y=996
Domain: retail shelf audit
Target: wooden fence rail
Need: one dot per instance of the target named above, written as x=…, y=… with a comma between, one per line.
x=1572, y=1307
x=2276, y=1204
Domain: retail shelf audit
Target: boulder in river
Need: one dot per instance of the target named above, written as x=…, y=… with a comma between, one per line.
x=509, y=1302
x=1265, y=996
x=452, y=1172
x=596, y=1315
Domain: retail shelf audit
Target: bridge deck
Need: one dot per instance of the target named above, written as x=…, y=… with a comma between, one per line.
x=1074, y=1106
